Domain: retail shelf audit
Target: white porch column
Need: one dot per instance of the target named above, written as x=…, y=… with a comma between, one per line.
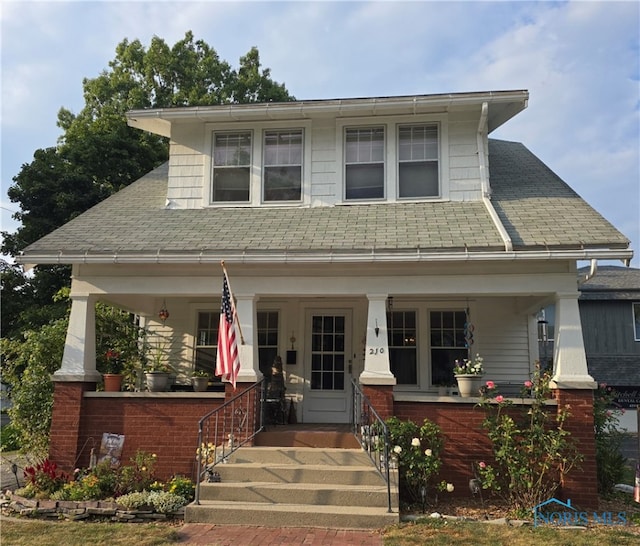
x=377, y=370
x=79, y=357
x=248, y=352
x=570, y=361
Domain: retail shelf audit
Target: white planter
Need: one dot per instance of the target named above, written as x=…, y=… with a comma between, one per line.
x=156, y=381
x=199, y=384
x=469, y=385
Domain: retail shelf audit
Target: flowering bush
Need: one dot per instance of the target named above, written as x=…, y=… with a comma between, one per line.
x=112, y=362
x=43, y=479
x=609, y=459
x=137, y=476
x=466, y=366
x=417, y=451
x=531, y=448
x=206, y=453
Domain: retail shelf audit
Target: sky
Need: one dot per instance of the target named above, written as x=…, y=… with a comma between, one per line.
x=579, y=60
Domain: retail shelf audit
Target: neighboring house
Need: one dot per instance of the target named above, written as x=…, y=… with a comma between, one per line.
x=362, y=234
x=610, y=314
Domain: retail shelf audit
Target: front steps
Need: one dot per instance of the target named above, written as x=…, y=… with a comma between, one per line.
x=297, y=487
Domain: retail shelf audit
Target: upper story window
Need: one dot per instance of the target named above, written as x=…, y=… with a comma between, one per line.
x=231, y=167
x=364, y=163
x=418, y=161
x=283, y=165
x=636, y=321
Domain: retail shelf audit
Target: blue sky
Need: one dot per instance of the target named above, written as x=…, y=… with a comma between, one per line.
x=579, y=60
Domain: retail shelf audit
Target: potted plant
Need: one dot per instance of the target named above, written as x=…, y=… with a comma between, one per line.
x=468, y=374
x=157, y=370
x=443, y=388
x=112, y=368
x=200, y=380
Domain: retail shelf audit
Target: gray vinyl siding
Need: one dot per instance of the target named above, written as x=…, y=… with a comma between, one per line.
x=608, y=328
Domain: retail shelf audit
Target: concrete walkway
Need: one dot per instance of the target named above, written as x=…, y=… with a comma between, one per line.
x=231, y=535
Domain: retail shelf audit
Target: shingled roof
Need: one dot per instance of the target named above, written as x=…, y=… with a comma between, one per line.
x=537, y=208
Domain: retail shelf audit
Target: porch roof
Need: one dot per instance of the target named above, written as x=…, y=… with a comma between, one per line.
x=543, y=216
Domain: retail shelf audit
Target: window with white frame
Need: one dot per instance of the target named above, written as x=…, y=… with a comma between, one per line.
x=364, y=152
x=403, y=356
x=636, y=320
x=267, y=340
x=418, y=161
x=447, y=344
x=282, y=169
x=207, y=343
x=231, y=167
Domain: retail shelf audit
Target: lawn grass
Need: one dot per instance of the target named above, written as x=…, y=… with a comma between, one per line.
x=26, y=532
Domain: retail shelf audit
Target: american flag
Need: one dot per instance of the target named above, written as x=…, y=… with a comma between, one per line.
x=227, y=359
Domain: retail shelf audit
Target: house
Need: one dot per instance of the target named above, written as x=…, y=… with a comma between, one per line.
x=609, y=305
x=368, y=239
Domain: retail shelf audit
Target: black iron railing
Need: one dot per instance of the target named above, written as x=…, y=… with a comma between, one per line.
x=226, y=428
x=373, y=435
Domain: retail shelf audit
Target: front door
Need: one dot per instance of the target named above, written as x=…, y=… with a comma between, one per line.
x=327, y=393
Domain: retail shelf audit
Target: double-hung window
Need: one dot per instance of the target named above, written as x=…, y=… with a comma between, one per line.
x=418, y=161
x=267, y=340
x=448, y=344
x=231, y=167
x=403, y=356
x=206, y=343
x=636, y=321
x=282, y=165
x=364, y=163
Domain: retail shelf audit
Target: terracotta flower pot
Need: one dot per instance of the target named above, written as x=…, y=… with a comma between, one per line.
x=112, y=382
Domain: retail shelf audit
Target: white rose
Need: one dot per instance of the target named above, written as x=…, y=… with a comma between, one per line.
x=415, y=442
x=450, y=487
x=428, y=452
x=397, y=450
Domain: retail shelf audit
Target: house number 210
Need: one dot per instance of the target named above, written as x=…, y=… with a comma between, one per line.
x=376, y=350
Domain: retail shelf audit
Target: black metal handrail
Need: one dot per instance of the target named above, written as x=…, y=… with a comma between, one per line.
x=373, y=435
x=226, y=428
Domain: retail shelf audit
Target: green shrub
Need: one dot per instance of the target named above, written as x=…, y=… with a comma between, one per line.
x=179, y=485
x=137, y=476
x=531, y=448
x=611, y=464
x=165, y=502
x=417, y=450
x=9, y=438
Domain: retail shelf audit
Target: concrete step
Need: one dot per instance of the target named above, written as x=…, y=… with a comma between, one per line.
x=303, y=486
x=289, y=473
x=288, y=515
x=299, y=456
x=292, y=437
x=303, y=493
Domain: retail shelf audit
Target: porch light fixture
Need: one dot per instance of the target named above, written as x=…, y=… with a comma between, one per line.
x=376, y=329
x=164, y=312
x=390, y=303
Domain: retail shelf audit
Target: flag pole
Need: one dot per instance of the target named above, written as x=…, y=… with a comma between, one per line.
x=224, y=270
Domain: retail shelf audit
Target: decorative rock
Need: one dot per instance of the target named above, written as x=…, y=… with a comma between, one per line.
x=435, y=515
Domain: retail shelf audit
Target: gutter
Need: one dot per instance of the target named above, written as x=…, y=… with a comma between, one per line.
x=293, y=257
x=484, y=181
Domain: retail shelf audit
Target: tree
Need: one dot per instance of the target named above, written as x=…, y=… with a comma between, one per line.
x=99, y=154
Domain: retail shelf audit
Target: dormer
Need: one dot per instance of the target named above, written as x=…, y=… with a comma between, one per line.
x=331, y=152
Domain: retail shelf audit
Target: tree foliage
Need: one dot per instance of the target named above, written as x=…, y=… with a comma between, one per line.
x=99, y=154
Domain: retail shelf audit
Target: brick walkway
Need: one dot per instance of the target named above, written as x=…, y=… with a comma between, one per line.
x=231, y=535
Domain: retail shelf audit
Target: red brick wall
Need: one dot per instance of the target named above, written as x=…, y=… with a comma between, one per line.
x=581, y=485
x=166, y=426
x=65, y=422
x=381, y=398
x=465, y=442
